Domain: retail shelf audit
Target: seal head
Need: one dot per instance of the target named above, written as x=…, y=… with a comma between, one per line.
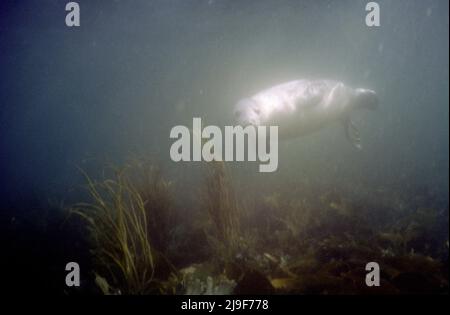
x=247, y=112
x=366, y=99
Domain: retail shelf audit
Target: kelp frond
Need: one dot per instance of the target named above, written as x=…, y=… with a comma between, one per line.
x=117, y=222
x=223, y=211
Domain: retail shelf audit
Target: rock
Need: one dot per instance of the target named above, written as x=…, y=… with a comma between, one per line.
x=253, y=282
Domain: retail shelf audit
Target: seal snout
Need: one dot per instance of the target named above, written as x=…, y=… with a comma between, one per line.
x=366, y=99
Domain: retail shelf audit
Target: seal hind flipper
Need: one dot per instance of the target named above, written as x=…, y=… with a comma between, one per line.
x=352, y=133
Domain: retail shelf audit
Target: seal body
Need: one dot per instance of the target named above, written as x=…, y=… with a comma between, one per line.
x=303, y=106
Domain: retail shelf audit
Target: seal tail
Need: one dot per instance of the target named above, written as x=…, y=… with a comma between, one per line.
x=366, y=99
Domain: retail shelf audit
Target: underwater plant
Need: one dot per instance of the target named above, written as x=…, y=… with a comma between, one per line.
x=224, y=213
x=296, y=215
x=300, y=242
x=154, y=190
x=118, y=226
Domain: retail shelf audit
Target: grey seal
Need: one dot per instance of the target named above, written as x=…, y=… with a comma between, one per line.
x=303, y=106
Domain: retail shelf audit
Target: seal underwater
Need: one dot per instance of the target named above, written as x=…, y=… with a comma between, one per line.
x=303, y=106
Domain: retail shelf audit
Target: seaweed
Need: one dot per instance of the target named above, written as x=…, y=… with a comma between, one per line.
x=117, y=220
x=223, y=212
x=307, y=241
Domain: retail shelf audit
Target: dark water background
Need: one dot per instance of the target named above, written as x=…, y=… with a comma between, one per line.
x=134, y=69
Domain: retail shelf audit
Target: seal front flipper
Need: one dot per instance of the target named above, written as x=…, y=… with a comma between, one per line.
x=352, y=133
